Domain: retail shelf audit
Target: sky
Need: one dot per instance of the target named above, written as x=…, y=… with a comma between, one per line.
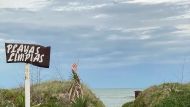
x=117, y=43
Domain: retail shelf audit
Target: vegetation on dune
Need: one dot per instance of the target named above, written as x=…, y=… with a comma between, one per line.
x=53, y=94
x=165, y=95
x=48, y=94
x=10, y=98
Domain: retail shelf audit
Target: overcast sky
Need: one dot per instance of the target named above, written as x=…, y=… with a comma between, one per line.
x=119, y=43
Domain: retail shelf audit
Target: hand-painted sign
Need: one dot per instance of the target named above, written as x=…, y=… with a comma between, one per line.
x=28, y=53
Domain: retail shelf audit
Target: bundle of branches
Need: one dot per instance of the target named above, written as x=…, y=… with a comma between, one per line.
x=75, y=90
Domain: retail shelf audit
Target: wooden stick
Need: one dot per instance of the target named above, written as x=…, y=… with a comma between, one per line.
x=27, y=85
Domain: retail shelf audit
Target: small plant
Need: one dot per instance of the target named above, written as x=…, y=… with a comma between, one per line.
x=80, y=102
x=20, y=100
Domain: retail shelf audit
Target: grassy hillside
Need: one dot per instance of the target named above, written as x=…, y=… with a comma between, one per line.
x=165, y=95
x=48, y=94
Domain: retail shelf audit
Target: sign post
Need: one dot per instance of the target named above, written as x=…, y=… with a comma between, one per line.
x=27, y=85
x=30, y=54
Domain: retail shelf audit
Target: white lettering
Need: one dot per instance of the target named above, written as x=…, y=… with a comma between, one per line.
x=31, y=57
x=13, y=50
x=31, y=51
x=20, y=49
x=37, y=58
x=27, y=57
x=41, y=58
x=38, y=48
x=20, y=57
x=10, y=58
x=15, y=57
x=9, y=48
x=26, y=48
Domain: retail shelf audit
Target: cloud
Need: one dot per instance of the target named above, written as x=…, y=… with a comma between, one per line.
x=76, y=6
x=32, y=5
x=184, y=27
x=186, y=15
x=154, y=1
x=100, y=16
x=141, y=29
x=134, y=31
x=124, y=38
x=3, y=40
x=183, y=30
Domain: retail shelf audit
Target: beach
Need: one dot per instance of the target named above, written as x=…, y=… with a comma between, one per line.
x=115, y=97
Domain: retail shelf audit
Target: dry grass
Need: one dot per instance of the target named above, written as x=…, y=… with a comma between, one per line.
x=165, y=95
x=47, y=94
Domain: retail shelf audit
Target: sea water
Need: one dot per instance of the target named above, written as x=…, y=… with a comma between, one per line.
x=115, y=97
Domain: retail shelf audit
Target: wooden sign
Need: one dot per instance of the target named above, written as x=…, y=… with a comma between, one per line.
x=28, y=53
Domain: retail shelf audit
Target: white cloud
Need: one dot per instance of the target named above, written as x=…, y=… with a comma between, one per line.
x=184, y=16
x=75, y=6
x=100, y=16
x=135, y=29
x=154, y=1
x=20, y=41
x=74, y=3
x=139, y=37
x=144, y=37
x=183, y=29
x=32, y=5
x=116, y=37
x=2, y=41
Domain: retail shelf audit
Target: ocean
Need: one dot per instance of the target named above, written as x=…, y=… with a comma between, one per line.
x=115, y=97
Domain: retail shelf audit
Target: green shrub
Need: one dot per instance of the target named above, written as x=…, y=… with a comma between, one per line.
x=129, y=104
x=165, y=95
x=80, y=102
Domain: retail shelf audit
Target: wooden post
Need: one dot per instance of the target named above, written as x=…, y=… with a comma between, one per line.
x=27, y=85
x=137, y=93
